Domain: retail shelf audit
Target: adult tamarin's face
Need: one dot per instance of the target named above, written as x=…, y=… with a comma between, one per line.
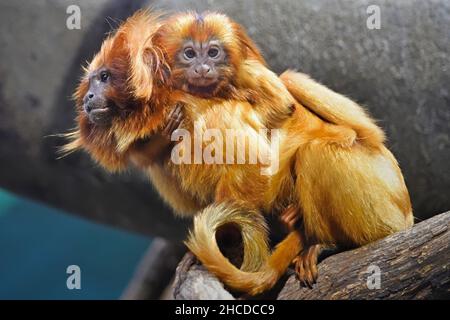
x=102, y=93
x=95, y=102
x=115, y=101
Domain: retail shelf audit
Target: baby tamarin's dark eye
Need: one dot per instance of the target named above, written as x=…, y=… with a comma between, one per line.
x=104, y=76
x=189, y=53
x=213, y=52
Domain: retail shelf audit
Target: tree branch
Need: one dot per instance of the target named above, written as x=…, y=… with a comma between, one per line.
x=155, y=271
x=413, y=264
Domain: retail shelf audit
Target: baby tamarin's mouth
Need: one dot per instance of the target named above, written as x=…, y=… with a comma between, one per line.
x=200, y=89
x=203, y=80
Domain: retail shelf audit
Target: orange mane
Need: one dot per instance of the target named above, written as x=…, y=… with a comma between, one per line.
x=132, y=76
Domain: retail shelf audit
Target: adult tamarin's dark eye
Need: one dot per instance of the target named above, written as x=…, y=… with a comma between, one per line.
x=104, y=76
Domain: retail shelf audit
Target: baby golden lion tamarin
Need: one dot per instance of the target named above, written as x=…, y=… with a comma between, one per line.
x=212, y=57
x=348, y=186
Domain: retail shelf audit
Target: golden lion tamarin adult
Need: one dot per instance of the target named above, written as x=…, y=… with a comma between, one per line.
x=348, y=186
x=334, y=208
x=122, y=103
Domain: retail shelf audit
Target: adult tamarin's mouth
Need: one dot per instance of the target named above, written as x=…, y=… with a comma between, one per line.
x=100, y=116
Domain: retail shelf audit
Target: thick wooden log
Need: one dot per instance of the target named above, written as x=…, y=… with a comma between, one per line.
x=194, y=282
x=413, y=264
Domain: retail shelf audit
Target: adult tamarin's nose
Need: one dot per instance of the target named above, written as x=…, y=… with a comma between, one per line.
x=87, y=97
x=202, y=69
x=87, y=107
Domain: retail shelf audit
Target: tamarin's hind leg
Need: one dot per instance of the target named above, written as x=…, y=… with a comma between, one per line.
x=306, y=262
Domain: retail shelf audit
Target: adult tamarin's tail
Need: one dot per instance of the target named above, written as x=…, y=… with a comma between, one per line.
x=332, y=107
x=260, y=271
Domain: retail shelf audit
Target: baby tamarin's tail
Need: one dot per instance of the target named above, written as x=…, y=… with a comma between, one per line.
x=259, y=271
x=332, y=107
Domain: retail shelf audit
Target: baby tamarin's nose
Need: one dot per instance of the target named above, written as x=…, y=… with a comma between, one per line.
x=202, y=69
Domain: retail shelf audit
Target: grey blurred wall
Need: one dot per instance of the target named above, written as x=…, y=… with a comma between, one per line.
x=400, y=73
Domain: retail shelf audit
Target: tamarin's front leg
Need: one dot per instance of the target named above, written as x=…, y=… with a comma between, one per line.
x=157, y=147
x=173, y=123
x=305, y=263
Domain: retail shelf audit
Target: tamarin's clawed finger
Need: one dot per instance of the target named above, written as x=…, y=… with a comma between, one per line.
x=174, y=120
x=306, y=265
x=333, y=164
x=290, y=217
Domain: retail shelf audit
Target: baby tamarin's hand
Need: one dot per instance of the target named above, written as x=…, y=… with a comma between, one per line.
x=157, y=148
x=174, y=120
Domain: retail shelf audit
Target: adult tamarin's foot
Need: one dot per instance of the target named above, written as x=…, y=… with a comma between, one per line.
x=306, y=265
x=306, y=262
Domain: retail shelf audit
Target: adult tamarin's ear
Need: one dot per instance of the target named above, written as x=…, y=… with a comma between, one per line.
x=141, y=77
x=148, y=67
x=156, y=59
x=147, y=63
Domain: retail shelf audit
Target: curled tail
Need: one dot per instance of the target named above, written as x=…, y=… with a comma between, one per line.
x=260, y=270
x=333, y=107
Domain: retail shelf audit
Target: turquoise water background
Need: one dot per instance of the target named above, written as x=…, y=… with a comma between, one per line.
x=38, y=243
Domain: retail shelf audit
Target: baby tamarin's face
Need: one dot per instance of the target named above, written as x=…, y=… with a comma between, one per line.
x=204, y=52
x=204, y=64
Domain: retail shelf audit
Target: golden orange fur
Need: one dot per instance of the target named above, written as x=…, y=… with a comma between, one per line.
x=334, y=167
x=241, y=78
x=137, y=117
x=348, y=185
